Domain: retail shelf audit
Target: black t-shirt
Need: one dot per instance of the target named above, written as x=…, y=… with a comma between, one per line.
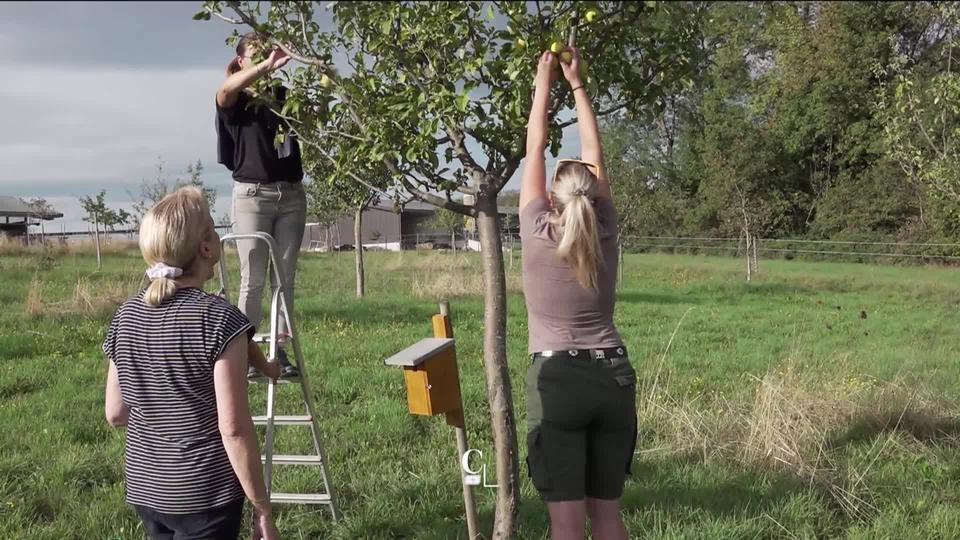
x=253, y=126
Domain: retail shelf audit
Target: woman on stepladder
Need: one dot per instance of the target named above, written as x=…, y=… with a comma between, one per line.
x=268, y=191
x=580, y=386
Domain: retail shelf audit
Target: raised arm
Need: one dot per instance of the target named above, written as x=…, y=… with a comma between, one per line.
x=591, y=149
x=533, y=181
x=231, y=87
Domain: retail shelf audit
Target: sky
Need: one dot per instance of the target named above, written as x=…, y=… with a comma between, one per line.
x=94, y=95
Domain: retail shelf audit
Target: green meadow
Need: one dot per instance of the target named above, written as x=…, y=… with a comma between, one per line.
x=817, y=401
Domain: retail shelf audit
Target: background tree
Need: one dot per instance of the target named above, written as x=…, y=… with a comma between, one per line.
x=43, y=209
x=152, y=191
x=330, y=195
x=98, y=213
x=446, y=112
x=448, y=221
x=921, y=116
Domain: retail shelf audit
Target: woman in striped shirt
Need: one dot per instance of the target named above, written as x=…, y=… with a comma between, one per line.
x=177, y=381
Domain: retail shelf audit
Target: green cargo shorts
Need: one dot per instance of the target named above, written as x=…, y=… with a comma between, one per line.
x=582, y=426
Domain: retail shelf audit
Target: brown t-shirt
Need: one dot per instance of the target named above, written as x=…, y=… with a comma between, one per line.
x=561, y=313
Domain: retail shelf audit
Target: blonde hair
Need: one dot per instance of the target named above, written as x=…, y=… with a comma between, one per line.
x=574, y=190
x=171, y=233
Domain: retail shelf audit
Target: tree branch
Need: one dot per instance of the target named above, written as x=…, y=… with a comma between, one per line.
x=225, y=18
x=424, y=196
x=460, y=149
x=487, y=141
x=599, y=114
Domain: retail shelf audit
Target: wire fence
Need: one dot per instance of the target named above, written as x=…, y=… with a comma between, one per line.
x=766, y=248
x=798, y=248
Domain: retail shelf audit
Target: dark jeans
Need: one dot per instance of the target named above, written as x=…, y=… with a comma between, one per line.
x=221, y=523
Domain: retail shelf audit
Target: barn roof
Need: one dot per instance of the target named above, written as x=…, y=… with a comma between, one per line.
x=14, y=207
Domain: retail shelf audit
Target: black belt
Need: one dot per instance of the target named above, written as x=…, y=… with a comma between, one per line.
x=585, y=354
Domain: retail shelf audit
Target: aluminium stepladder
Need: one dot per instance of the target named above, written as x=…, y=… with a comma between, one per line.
x=278, y=309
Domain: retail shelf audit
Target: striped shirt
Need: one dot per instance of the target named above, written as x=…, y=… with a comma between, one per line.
x=175, y=461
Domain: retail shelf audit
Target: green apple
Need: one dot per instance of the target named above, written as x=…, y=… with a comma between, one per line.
x=566, y=57
x=557, y=47
x=520, y=43
x=590, y=15
x=326, y=82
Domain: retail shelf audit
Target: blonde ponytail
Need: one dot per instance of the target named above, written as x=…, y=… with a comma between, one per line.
x=573, y=191
x=159, y=290
x=170, y=237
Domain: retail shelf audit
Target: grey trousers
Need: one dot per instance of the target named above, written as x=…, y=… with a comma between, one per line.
x=280, y=210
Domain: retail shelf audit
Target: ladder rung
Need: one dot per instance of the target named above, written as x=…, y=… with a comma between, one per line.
x=265, y=338
x=263, y=380
x=280, y=459
x=283, y=420
x=300, y=498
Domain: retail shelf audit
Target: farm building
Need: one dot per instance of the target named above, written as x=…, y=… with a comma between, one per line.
x=384, y=228
x=16, y=216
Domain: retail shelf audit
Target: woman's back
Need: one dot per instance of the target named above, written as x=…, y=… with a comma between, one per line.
x=563, y=314
x=175, y=458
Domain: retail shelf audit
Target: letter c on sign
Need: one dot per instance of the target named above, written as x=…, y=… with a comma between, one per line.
x=465, y=461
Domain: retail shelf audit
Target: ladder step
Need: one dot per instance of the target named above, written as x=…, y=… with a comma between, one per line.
x=263, y=380
x=265, y=338
x=281, y=420
x=280, y=459
x=300, y=498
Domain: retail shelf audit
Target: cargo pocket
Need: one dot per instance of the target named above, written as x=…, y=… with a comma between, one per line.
x=625, y=375
x=536, y=460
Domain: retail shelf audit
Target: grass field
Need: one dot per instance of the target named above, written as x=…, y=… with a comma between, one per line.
x=817, y=402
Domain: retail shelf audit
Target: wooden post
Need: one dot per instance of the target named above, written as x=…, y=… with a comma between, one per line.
x=756, y=264
x=444, y=329
x=749, y=266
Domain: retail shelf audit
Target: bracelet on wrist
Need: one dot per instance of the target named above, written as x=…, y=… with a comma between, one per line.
x=572, y=90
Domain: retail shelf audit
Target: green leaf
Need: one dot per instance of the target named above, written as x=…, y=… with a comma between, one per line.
x=462, y=101
x=490, y=12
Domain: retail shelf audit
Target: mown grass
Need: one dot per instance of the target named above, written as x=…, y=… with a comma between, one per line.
x=816, y=402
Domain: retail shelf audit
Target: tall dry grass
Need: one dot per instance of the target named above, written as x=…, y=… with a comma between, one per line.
x=448, y=276
x=53, y=246
x=86, y=298
x=798, y=422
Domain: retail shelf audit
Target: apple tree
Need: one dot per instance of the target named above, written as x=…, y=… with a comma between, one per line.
x=438, y=93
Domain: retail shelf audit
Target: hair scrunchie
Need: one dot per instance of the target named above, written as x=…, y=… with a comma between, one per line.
x=161, y=270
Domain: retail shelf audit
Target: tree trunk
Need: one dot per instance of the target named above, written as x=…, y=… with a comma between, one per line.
x=96, y=234
x=453, y=241
x=499, y=388
x=358, y=248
